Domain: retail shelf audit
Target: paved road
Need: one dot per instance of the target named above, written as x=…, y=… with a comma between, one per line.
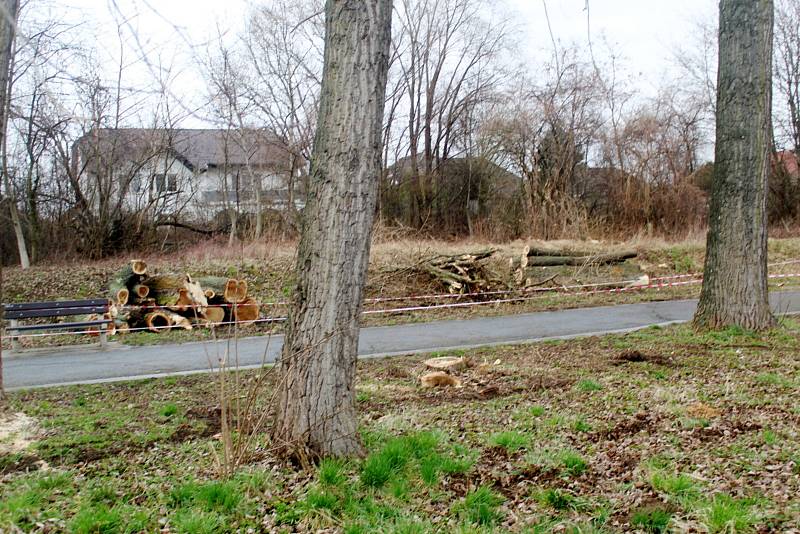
x=88, y=365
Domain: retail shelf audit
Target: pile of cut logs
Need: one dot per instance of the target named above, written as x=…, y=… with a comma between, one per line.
x=164, y=301
x=461, y=273
x=546, y=257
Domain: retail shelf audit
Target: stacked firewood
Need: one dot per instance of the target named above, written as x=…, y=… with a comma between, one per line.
x=164, y=301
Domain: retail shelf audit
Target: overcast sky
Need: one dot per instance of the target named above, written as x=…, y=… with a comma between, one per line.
x=644, y=33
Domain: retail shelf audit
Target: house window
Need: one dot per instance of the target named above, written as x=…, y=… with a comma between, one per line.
x=166, y=182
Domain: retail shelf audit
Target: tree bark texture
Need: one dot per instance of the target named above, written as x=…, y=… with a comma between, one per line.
x=735, y=277
x=315, y=412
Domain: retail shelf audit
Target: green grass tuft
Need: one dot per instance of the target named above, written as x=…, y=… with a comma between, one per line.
x=168, y=410
x=198, y=522
x=98, y=519
x=557, y=499
x=331, y=472
x=726, y=514
x=480, y=507
x=654, y=520
x=573, y=462
x=510, y=440
x=589, y=385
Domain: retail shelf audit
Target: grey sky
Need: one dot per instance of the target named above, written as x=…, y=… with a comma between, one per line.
x=644, y=33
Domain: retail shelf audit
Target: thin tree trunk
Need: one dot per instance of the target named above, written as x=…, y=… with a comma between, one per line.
x=735, y=282
x=24, y=260
x=8, y=19
x=315, y=413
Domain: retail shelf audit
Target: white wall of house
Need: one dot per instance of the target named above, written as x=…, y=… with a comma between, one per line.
x=167, y=187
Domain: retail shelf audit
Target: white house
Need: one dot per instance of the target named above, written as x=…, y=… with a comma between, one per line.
x=193, y=172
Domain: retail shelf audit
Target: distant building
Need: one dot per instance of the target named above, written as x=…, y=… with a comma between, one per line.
x=194, y=171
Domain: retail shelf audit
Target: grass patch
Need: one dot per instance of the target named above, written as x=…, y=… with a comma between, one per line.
x=726, y=514
x=557, y=499
x=510, y=440
x=654, y=520
x=588, y=385
x=480, y=507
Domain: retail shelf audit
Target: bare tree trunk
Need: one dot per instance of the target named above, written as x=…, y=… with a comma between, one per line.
x=8, y=19
x=22, y=248
x=315, y=414
x=735, y=283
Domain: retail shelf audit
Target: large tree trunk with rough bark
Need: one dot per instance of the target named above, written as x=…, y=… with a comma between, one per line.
x=735, y=277
x=315, y=413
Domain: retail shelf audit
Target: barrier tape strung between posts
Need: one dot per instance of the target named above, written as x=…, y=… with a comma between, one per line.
x=554, y=289
x=420, y=308
x=550, y=289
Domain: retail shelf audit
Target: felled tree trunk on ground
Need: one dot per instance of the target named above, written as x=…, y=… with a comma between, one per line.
x=246, y=311
x=734, y=288
x=178, y=292
x=120, y=286
x=223, y=289
x=157, y=320
x=213, y=314
x=315, y=411
x=576, y=261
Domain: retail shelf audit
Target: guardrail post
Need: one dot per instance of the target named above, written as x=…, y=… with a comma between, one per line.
x=103, y=336
x=15, y=344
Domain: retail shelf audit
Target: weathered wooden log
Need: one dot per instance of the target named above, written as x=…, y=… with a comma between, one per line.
x=597, y=259
x=547, y=251
x=119, y=287
x=467, y=258
x=179, y=321
x=176, y=291
x=118, y=292
x=157, y=320
x=213, y=314
x=246, y=311
x=228, y=290
x=140, y=291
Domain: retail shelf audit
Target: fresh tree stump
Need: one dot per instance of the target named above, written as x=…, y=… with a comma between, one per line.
x=446, y=363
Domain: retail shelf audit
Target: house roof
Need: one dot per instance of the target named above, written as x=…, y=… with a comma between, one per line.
x=197, y=149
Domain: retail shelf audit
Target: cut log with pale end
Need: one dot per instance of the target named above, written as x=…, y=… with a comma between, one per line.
x=246, y=311
x=139, y=267
x=119, y=287
x=229, y=290
x=118, y=293
x=179, y=321
x=576, y=261
x=439, y=379
x=157, y=320
x=446, y=363
x=176, y=291
x=140, y=291
x=213, y=314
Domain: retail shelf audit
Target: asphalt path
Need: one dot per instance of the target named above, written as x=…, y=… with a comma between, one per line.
x=82, y=365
